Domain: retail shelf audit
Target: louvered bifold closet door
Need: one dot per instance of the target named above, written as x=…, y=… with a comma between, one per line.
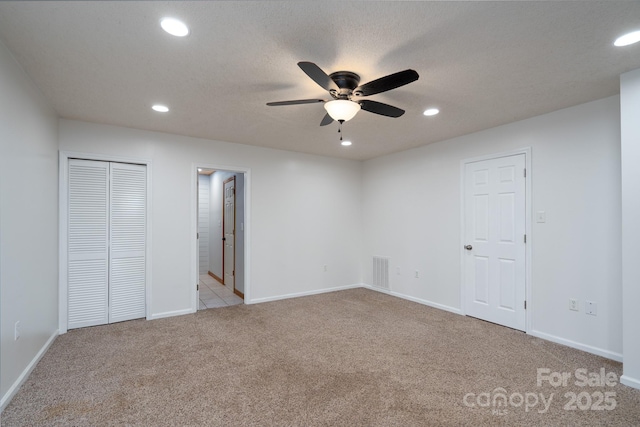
x=88, y=238
x=128, y=237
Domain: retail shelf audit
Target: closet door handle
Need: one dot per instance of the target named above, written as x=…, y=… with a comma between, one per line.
x=468, y=247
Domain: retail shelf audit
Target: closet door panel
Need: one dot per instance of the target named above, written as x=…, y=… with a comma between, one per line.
x=88, y=237
x=128, y=242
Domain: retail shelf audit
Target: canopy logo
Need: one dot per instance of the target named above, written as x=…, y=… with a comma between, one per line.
x=499, y=401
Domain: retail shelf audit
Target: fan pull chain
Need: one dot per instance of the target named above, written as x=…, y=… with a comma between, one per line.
x=340, y=128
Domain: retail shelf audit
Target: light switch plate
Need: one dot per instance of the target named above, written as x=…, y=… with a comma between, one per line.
x=541, y=216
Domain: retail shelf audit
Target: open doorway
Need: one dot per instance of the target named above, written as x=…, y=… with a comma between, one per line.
x=221, y=238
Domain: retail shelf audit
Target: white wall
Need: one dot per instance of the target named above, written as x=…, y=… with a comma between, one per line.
x=305, y=211
x=28, y=223
x=630, y=129
x=411, y=211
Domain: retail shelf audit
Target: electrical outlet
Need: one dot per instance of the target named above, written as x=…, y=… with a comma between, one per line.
x=325, y=268
x=17, y=331
x=573, y=304
x=398, y=271
x=591, y=308
x=417, y=276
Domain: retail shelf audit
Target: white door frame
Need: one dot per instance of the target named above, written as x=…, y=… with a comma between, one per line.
x=194, y=228
x=63, y=192
x=528, y=209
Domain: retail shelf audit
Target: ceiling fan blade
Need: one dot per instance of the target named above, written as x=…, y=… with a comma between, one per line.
x=296, y=102
x=380, y=108
x=386, y=83
x=326, y=120
x=318, y=76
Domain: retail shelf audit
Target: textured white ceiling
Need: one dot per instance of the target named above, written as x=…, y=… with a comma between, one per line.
x=482, y=63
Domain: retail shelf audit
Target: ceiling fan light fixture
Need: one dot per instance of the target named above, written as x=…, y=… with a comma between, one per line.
x=342, y=109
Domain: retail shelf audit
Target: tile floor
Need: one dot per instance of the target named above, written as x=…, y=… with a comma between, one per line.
x=214, y=295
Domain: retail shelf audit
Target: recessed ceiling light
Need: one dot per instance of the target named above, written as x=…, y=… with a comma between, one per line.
x=174, y=27
x=345, y=143
x=628, y=39
x=431, y=112
x=160, y=108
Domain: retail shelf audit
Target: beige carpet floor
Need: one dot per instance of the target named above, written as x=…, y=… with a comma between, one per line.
x=349, y=358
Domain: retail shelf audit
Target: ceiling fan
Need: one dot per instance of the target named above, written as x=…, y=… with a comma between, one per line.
x=346, y=94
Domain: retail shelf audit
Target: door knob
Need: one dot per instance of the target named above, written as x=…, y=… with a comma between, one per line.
x=468, y=247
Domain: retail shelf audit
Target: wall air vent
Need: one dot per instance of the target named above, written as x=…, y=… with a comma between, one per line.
x=381, y=272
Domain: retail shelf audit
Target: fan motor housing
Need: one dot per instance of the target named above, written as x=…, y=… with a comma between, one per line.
x=347, y=81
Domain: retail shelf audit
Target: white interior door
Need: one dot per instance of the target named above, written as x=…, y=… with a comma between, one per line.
x=88, y=244
x=229, y=221
x=127, y=274
x=495, y=242
x=204, y=192
x=106, y=242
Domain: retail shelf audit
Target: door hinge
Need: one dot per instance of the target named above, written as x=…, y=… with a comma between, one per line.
x=197, y=235
x=525, y=172
x=525, y=304
x=525, y=238
x=234, y=273
x=197, y=287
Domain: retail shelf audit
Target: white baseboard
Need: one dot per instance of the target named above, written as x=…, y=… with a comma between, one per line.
x=414, y=299
x=631, y=382
x=25, y=374
x=171, y=314
x=573, y=344
x=302, y=294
